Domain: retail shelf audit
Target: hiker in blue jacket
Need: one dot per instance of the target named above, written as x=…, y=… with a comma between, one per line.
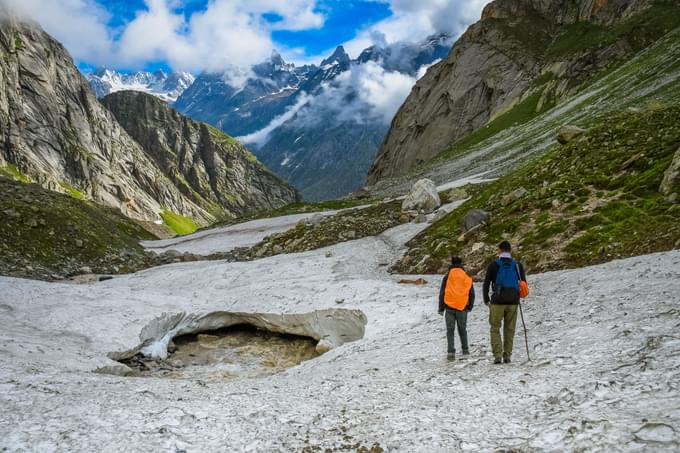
x=503, y=276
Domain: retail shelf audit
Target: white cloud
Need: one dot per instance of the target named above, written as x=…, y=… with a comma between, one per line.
x=225, y=34
x=413, y=20
x=364, y=93
x=78, y=24
x=381, y=90
x=261, y=136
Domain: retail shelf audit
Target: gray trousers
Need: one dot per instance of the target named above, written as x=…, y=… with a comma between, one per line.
x=455, y=318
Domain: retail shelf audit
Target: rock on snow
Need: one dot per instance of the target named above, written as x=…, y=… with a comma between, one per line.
x=604, y=373
x=422, y=197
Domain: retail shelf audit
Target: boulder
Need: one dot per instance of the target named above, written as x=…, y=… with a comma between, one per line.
x=438, y=216
x=361, y=194
x=315, y=219
x=456, y=194
x=477, y=246
x=420, y=218
x=514, y=195
x=423, y=197
x=670, y=185
x=475, y=218
x=568, y=134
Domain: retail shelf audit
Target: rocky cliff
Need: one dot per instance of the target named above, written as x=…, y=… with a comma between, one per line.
x=210, y=168
x=55, y=132
x=527, y=53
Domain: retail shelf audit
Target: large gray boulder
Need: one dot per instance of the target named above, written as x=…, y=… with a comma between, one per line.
x=670, y=186
x=475, y=218
x=423, y=197
x=568, y=134
x=513, y=196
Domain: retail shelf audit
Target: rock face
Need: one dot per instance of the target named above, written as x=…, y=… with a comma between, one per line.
x=212, y=169
x=423, y=197
x=55, y=132
x=496, y=64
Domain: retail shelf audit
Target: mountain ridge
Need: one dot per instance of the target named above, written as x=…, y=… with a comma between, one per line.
x=212, y=169
x=497, y=64
x=56, y=133
x=329, y=156
x=165, y=86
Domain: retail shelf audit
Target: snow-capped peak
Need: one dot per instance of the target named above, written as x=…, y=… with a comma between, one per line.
x=165, y=86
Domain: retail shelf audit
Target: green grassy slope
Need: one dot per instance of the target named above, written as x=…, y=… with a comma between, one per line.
x=588, y=202
x=46, y=234
x=582, y=38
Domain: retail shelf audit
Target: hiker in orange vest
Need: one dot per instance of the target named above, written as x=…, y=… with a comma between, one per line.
x=456, y=299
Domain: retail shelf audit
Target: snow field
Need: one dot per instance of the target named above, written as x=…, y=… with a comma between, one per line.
x=604, y=374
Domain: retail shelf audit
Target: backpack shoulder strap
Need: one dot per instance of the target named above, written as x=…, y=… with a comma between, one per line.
x=519, y=273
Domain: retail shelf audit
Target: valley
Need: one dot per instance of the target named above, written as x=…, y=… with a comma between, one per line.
x=249, y=256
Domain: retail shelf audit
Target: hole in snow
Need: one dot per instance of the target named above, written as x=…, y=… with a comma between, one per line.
x=233, y=352
x=221, y=345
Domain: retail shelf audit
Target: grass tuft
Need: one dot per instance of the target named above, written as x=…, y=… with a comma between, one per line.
x=179, y=224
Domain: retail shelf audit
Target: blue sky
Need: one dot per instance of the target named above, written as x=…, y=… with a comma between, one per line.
x=342, y=21
x=224, y=35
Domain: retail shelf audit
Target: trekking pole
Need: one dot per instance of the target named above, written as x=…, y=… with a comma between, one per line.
x=526, y=340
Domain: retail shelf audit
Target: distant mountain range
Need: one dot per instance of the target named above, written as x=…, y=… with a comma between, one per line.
x=312, y=124
x=315, y=126
x=165, y=86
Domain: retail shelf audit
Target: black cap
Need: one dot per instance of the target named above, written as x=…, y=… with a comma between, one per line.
x=505, y=246
x=456, y=261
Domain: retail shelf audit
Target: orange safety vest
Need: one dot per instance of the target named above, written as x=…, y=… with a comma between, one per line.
x=458, y=287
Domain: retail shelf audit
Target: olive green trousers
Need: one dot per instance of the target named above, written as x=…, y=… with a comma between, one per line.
x=505, y=315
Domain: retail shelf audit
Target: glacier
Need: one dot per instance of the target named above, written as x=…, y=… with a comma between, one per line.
x=604, y=373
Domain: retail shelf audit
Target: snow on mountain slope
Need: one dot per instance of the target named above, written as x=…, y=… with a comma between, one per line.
x=224, y=239
x=604, y=374
x=165, y=86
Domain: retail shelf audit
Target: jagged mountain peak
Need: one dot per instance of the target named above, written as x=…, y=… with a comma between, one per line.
x=158, y=83
x=276, y=58
x=339, y=55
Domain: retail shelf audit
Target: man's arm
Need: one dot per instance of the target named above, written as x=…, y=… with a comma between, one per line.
x=471, y=298
x=442, y=290
x=490, y=277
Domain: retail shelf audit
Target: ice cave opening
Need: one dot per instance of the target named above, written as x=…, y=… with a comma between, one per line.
x=227, y=345
x=237, y=351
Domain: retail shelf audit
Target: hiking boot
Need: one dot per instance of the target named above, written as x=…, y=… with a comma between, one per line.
x=451, y=356
x=466, y=352
x=506, y=360
x=497, y=361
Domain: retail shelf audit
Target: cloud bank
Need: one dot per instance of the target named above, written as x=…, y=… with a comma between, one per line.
x=366, y=93
x=413, y=20
x=225, y=34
